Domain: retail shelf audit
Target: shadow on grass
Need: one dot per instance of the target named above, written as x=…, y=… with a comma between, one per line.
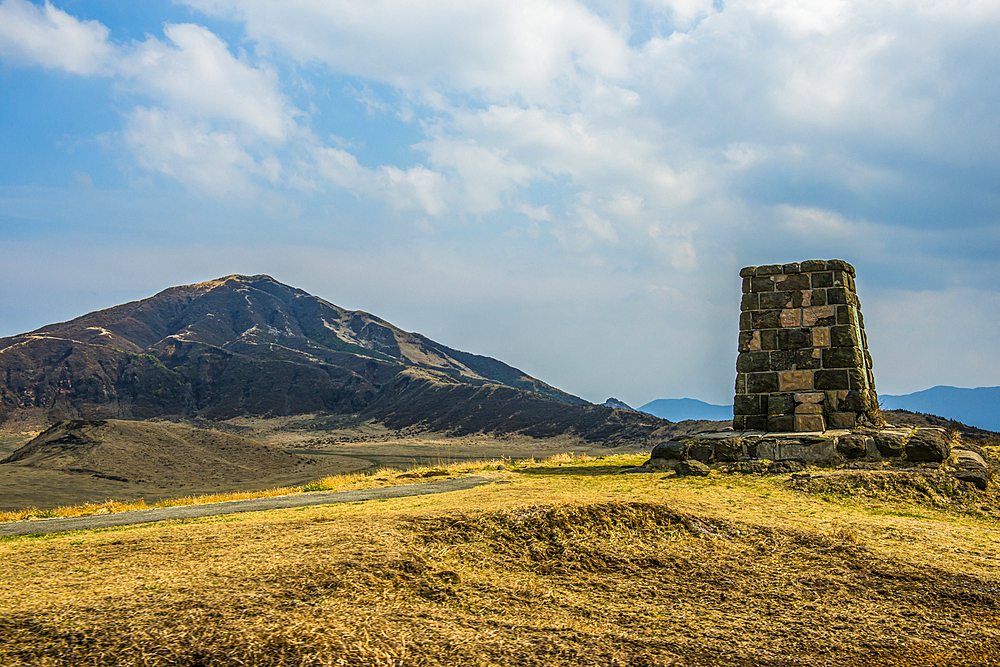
x=584, y=471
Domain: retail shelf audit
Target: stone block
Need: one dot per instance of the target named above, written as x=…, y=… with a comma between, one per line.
x=852, y=446
x=746, y=321
x=780, y=423
x=822, y=316
x=749, y=404
x=795, y=380
x=844, y=335
x=744, y=339
x=755, y=423
x=741, y=383
x=790, y=283
x=739, y=423
x=927, y=445
x=729, y=449
x=808, y=409
x=753, y=362
x=840, y=265
x=809, y=423
x=780, y=404
x=837, y=420
x=808, y=359
x=801, y=299
x=822, y=280
x=817, y=297
x=701, y=450
x=847, y=315
x=762, y=383
x=762, y=284
x=832, y=379
x=765, y=319
x=858, y=379
x=769, y=339
x=890, y=444
x=790, y=319
x=810, y=449
x=837, y=295
x=855, y=401
x=821, y=337
x=750, y=301
x=782, y=360
x=748, y=271
x=790, y=268
x=833, y=399
x=768, y=270
x=813, y=397
x=774, y=300
x=842, y=357
x=794, y=339
x=811, y=265
x=747, y=285
x=840, y=279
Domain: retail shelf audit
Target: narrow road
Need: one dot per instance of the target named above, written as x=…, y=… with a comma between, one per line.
x=44, y=526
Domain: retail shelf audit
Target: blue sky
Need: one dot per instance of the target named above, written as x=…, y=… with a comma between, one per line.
x=571, y=187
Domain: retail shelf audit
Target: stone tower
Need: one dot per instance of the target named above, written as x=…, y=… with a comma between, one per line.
x=803, y=362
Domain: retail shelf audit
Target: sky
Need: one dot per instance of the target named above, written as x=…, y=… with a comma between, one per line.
x=569, y=186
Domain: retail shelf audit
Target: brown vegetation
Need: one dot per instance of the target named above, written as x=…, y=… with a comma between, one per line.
x=565, y=564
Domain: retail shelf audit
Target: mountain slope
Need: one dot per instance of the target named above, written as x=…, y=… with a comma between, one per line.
x=976, y=407
x=680, y=409
x=249, y=345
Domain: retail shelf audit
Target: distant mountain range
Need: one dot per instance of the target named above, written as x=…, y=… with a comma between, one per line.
x=976, y=407
x=250, y=345
x=679, y=409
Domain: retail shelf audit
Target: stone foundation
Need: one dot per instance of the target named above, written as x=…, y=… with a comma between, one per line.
x=803, y=363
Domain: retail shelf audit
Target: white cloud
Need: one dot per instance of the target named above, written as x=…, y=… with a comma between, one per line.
x=197, y=75
x=208, y=160
x=528, y=49
x=50, y=37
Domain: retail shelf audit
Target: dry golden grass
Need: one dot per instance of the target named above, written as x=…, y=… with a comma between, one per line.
x=566, y=564
x=359, y=480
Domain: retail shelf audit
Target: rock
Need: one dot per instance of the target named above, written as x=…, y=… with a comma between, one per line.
x=692, y=468
x=730, y=449
x=784, y=467
x=890, y=444
x=753, y=467
x=927, y=445
x=852, y=446
x=977, y=477
x=672, y=450
x=701, y=450
x=968, y=460
x=660, y=464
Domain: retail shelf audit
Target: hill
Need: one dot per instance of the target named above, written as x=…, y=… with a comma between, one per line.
x=679, y=409
x=561, y=562
x=250, y=345
x=977, y=407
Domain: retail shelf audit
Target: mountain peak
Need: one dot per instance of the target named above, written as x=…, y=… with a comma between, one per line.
x=239, y=344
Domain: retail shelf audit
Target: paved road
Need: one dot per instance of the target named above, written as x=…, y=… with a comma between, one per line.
x=41, y=526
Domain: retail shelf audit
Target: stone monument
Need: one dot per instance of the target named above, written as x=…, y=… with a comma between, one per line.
x=803, y=362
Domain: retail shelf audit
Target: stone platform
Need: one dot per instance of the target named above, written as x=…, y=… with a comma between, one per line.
x=760, y=451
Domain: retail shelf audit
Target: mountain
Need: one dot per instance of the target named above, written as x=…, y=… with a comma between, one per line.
x=680, y=409
x=976, y=407
x=250, y=345
x=618, y=405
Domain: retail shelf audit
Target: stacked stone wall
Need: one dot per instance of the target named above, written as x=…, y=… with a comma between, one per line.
x=803, y=360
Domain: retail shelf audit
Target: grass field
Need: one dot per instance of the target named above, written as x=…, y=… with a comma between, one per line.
x=564, y=564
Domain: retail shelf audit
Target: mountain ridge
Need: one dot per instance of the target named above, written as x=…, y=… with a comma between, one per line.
x=250, y=345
